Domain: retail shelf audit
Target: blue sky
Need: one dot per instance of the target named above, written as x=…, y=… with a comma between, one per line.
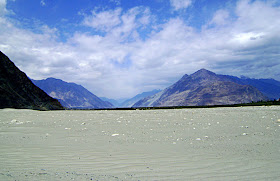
x=119, y=48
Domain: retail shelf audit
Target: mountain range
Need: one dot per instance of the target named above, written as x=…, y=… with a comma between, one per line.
x=17, y=90
x=200, y=88
x=71, y=95
x=131, y=101
x=203, y=88
x=269, y=87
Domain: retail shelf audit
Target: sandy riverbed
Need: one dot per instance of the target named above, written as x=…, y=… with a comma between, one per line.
x=183, y=144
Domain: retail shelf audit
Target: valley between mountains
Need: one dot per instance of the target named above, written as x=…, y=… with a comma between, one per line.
x=201, y=88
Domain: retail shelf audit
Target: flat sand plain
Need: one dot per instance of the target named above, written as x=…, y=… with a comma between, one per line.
x=183, y=144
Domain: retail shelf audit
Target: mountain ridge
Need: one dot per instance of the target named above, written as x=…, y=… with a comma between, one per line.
x=18, y=91
x=269, y=87
x=202, y=88
x=130, y=102
x=71, y=95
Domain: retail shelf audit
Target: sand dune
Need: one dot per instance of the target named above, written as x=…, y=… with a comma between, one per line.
x=183, y=144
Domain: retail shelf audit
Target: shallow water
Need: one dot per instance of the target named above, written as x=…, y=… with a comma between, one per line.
x=182, y=144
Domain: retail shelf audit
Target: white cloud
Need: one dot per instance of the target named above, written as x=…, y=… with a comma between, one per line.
x=257, y=15
x=3, y=9
x=119, y=25
x=164, y=48
x=119, y=63
x=146, y=18
x=180, y=4
x=220, y=17
x=105, y=20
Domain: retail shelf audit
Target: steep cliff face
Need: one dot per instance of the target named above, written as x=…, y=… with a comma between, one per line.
x=18, y=91
x=202, y=88
x=71, y=95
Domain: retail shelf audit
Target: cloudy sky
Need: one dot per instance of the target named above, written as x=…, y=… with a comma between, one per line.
x=119, y=48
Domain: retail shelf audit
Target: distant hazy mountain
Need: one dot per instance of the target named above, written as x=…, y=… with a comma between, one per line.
x=269, y=87
x=202, y=88
x=17, y=90
x=114, y=102
x=71, y=95
x=132, y=101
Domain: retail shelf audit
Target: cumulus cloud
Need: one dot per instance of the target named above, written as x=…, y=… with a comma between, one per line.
x=247, y=37
x=37, y=54
x=119, y=62
x=220, y=17
x=119, y=25
x=103, y=21
x=180, y=4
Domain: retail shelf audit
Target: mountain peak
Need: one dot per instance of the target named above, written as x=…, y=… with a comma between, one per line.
x=71, y=95
x=185, y=76
x=203, y=88
x=53, y=79
x=204, y=74
x=203, y=71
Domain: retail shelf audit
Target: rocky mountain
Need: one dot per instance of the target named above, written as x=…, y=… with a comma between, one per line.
x=269, y=87
x=203, y=88
x=71, y=95
x=18, y=91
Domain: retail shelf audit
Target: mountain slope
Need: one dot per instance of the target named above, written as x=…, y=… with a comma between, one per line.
x=202, y=88
x=71, y=95
x=269, y=87
x=115, y=103
x=130, y=102
x=18, y=91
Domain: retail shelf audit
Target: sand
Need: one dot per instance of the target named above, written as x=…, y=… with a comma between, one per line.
x=184, y=144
